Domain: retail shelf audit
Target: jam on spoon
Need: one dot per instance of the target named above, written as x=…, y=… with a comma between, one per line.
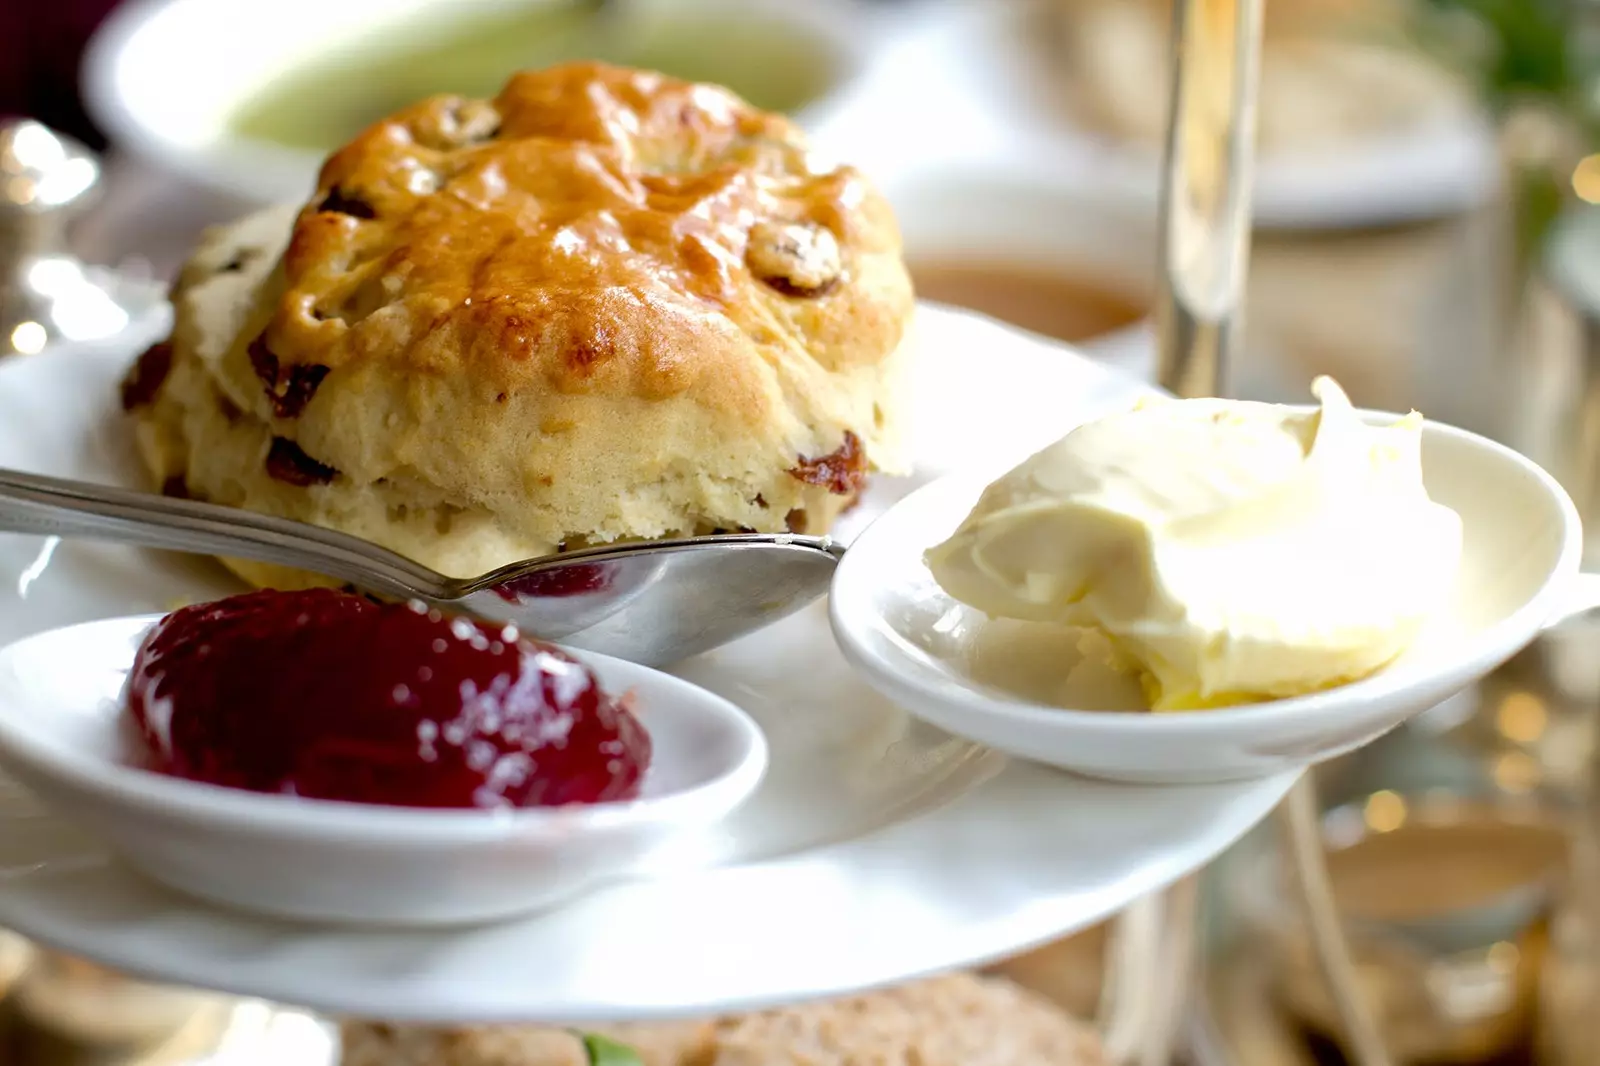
x=328, y=695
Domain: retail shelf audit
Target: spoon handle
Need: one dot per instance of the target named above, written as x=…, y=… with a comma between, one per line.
x=46, y=506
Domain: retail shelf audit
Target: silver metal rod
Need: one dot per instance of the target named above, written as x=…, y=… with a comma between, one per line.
x=1206, y=190
x=1363, y=1040
x=1149, y=974
x=1205, y=244
x=1204, y=255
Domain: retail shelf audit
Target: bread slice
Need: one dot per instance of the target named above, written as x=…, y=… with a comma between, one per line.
x=956, y=1020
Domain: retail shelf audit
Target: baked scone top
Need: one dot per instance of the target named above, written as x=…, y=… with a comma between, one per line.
x=591, y=228
x=605, y=305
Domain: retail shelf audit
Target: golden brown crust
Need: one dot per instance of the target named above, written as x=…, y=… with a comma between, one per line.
x=605, y=305
x=584, y=231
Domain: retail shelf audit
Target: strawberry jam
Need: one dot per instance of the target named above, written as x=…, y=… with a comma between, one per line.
x=327, y=695
x=577, y=580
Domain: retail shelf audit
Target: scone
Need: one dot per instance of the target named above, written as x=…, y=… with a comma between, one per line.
x=956, y=1020
x=604, y=305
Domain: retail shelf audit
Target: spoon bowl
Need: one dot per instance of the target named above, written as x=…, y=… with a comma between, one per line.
x=63, y=735
x=652, y=602
x=1011, y=685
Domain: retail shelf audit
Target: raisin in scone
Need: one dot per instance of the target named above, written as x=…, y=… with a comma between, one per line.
x=956, y=1020
x=604, y=305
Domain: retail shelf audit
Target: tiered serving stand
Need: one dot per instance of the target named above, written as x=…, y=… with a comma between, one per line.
x=879, y=849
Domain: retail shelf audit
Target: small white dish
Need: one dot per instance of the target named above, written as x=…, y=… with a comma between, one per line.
x=63, y=734
x=935, y=656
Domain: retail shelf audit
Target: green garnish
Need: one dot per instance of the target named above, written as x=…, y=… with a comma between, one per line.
x=605, y=1052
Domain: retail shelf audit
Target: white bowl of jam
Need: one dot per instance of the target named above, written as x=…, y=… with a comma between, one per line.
x=319, y=757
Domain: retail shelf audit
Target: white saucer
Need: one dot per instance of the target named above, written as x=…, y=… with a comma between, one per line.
x=958, y=669
x=64, y=734
x=830, y=883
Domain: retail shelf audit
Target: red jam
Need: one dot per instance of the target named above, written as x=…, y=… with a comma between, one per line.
x=577, y=580
x=328, y=695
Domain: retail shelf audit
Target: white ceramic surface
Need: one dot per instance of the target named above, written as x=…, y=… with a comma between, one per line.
x=923, y=649
x=177, y=114
x=971, y=80
x=64, y=734
x=872, y=852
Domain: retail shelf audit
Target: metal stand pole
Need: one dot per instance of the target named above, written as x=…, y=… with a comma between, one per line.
x=1303, y=830
x=1205, y=246
x=1206, y=188
x=1205, y=235
x=1149, y=972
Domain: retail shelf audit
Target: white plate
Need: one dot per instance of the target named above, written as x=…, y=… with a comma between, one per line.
x=954, y=667
x=64, y=734
x=967, y=82
x=831, y=882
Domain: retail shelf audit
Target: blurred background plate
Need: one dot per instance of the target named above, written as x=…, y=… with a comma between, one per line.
x=265, y=89
x=1055, y=90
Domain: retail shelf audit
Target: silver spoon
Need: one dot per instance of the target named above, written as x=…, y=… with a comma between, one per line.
x=652, y=603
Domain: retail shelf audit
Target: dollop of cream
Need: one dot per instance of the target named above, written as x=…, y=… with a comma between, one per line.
x=1228, y=551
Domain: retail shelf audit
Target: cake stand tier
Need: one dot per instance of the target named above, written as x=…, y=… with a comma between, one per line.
x=879, y=848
